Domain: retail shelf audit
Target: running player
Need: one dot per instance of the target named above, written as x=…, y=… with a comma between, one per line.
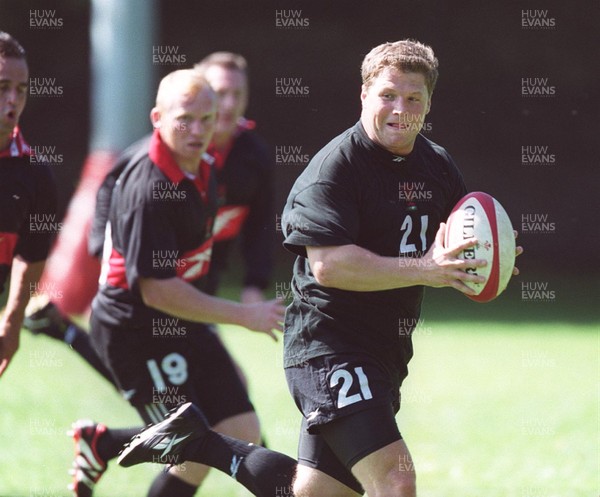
x=366, y=248
x=27, y=193
x=148, y=318
x=245, y=188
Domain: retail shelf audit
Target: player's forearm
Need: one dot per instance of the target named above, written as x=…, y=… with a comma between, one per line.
x=353, y=268
x=179, y=299
x=23, y=277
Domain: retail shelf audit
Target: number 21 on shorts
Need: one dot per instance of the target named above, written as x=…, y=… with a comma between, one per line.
x=347, y=379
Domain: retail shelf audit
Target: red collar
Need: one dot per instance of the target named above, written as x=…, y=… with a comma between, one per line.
x=17, y=147
x=160, y=155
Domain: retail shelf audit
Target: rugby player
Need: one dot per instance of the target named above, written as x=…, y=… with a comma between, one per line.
x=27, y=193
x=245, y=216
x=157, y=252
x=366, y=249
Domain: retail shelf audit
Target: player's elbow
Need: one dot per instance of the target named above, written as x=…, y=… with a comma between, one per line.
x=324, y=272
x=151, y=292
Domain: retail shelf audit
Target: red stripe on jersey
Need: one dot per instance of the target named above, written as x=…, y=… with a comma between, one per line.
x=8, y=242
x=116, y=271
x=195, y=263
x=229, y=221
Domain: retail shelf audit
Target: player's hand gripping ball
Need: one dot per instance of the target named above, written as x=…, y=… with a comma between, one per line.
x=481, y=216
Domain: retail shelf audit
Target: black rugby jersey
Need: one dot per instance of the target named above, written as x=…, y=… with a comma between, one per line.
x=159, y=226
x=245, y=199
x=355, y=192
x=28, y=219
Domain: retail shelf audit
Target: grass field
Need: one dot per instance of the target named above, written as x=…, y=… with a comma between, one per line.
x=504, y=408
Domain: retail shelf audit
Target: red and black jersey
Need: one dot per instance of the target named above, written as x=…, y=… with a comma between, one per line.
x=354, y=192
x=246, y=211
x=28, y=221
x=159, y=226
x=244, y=176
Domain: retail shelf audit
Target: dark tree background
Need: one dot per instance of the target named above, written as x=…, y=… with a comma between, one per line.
x=483, y=110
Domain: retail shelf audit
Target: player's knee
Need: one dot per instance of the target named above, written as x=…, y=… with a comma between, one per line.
x=398, y=483
x=309, y=483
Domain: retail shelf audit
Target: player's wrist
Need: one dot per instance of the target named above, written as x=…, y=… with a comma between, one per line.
x=413, y=271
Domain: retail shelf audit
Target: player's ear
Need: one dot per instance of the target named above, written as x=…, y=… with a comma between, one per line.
x=363, y=93
x=429, y=104
x=155, y=117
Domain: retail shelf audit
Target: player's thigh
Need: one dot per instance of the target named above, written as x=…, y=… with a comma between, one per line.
x=311, y=482
x=320, y=468
x=244, y=426
x=387, y=471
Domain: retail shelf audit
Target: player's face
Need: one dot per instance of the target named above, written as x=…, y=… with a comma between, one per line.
x=231, y=87
x=14, y=77
x=186, y=126
x=394, y=107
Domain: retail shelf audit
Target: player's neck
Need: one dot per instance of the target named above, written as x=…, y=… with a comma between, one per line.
x=221, y=140
x=189, y=169
x=5, y=141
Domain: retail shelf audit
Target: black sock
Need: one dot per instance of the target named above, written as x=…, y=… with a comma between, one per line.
x=112, y=441
x=167, y=485
x=264, y=472
x=80, y=341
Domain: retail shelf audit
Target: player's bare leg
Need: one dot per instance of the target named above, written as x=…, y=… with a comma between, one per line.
x=311, y=482
x=387, y=471
x=242, y=426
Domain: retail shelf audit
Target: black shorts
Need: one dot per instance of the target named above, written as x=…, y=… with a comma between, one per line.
x=348, y=403
x=156, y=371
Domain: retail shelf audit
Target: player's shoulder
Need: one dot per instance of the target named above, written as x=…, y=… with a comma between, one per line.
x=336, y=153
x=436, y=154
x=133, y=152
x=136, y=181
x=430, y=147
x=250, y=148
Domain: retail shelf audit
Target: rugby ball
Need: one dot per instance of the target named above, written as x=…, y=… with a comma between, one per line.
x=479, y=215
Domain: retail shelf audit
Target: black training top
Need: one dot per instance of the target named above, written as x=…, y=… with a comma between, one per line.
x=355, y=192
x=160, y=225
x=28, y=220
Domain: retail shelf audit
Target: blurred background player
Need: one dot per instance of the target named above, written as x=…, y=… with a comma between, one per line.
x=244, y=177
x=137, y=295
x=27, y=194
x=245, y=188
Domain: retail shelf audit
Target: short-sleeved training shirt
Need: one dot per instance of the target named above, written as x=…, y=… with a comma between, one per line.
x=355, y=192
x=244, y=176
x=159, y=226
x=28, y=219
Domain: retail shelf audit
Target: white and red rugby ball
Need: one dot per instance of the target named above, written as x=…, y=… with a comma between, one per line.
x=479, y=215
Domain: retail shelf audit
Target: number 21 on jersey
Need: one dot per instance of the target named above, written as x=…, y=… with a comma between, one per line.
x=408, y=228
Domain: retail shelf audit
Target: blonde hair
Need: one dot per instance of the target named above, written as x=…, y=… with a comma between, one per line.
x=226, y=60
x=404, y=55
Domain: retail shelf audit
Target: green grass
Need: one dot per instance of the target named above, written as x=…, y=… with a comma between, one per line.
x=489, y=409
